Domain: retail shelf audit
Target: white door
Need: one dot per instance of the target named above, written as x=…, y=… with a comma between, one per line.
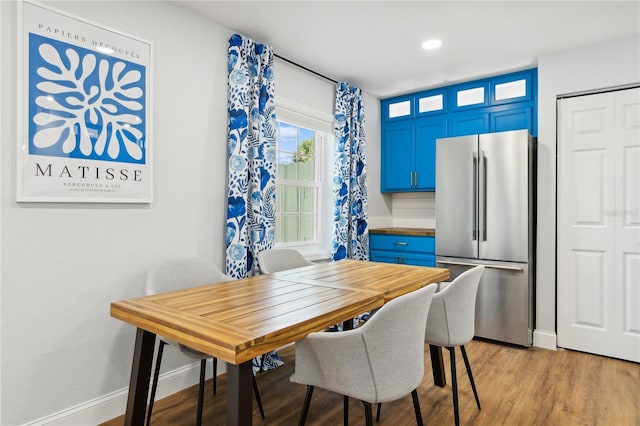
x=598, y=281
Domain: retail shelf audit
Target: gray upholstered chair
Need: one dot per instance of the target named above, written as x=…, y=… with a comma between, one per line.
x=381, y=361
x=280, y=259
x=451, y=323
x=175, y=275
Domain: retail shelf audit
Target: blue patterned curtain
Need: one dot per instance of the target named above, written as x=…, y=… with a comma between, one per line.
x=351, y=233
x=251, y=154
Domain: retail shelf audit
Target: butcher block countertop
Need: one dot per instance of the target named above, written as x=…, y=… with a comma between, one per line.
x=421, y=232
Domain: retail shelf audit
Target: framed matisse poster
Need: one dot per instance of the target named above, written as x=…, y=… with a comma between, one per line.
x=84, y=111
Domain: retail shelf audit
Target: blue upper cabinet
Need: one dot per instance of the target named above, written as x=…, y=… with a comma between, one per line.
x=469, y=123
x=412, y=123
x=428, y=129
x=496, y=104
x=467, y=96
x=431, y=103
x=398, y=156
x=399, y=108
x=515, y=87
x=512, y=118
x=408, y=160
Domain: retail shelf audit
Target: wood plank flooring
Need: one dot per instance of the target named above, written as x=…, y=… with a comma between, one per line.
x=516, y=387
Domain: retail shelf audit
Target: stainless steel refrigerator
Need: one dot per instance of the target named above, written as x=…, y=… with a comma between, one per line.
x=485, y=214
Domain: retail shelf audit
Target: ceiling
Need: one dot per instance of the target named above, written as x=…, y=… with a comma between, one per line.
x=376, y=44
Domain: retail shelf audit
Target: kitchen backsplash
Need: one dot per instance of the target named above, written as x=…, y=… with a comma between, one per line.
x=414, y=209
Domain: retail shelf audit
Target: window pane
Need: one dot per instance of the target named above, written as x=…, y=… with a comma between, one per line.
x=306, y=200
x=512, y=89
x=471, y=96
x=306, y=228
x=431, y=103
x=306, y=134
x=287, y=137
x=305, y=168
x=290, y=199
x=400, y=109
x=286, y=167
x=290, y=229
x=297, y=185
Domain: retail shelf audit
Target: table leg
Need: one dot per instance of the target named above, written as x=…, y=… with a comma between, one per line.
x=437, y=366
x=347, y=325
x=140, y=375
x=239, y=398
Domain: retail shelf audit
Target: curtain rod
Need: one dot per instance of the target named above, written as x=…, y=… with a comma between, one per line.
x=305, y=68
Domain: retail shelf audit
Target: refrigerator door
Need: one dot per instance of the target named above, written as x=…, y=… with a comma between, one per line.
x=504, y=196
x=504, y=310
x=456, y=198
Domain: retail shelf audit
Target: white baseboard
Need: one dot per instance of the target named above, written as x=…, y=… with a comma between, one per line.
x=545, y=339
x=112, y=405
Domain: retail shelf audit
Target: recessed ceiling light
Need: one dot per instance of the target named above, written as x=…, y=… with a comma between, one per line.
x=431, y=44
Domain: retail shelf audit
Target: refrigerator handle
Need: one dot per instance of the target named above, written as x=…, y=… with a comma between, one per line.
x=474, y=191
x=504, y=268
x=484, y=197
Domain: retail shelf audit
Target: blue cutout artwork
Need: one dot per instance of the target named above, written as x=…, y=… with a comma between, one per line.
x=84, y=104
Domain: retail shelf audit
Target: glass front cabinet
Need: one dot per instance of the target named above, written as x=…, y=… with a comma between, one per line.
x=412, y=123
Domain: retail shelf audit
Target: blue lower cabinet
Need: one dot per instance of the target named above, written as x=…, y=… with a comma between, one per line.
x=405, y=249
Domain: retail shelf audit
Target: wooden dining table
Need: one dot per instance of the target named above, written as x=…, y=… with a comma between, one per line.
x=238, y=320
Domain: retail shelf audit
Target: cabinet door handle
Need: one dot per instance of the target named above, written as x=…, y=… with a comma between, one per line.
x=400, y=243
x=416, y=184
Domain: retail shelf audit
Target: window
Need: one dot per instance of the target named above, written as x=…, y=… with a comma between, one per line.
x=304, y=184
x=298, y=184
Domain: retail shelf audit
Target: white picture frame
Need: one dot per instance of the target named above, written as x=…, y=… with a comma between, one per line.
x=84, y=129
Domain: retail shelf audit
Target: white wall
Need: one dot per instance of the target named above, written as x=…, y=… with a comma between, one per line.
x=62, y=264
x=594, y=67
x=379, y=204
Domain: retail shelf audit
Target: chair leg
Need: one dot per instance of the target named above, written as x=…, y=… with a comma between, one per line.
x=305, y=406
x=345, y=410
x=470, y=374
x=454, y=384
x=368, y=416
x=256, y=392
x=215, y=375
x=416, y=406
x=378, y=411
x=154, y=385
x=203, y=369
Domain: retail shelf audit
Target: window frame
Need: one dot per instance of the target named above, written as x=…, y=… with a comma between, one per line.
x=315, y=184
x=322, y=123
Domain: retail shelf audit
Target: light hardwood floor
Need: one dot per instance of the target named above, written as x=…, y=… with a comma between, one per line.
x=516, y=387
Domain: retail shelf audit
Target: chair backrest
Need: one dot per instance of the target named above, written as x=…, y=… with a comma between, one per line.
x=394, y=340
x=182, y=273
x=274, y=260
x=451, y=320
